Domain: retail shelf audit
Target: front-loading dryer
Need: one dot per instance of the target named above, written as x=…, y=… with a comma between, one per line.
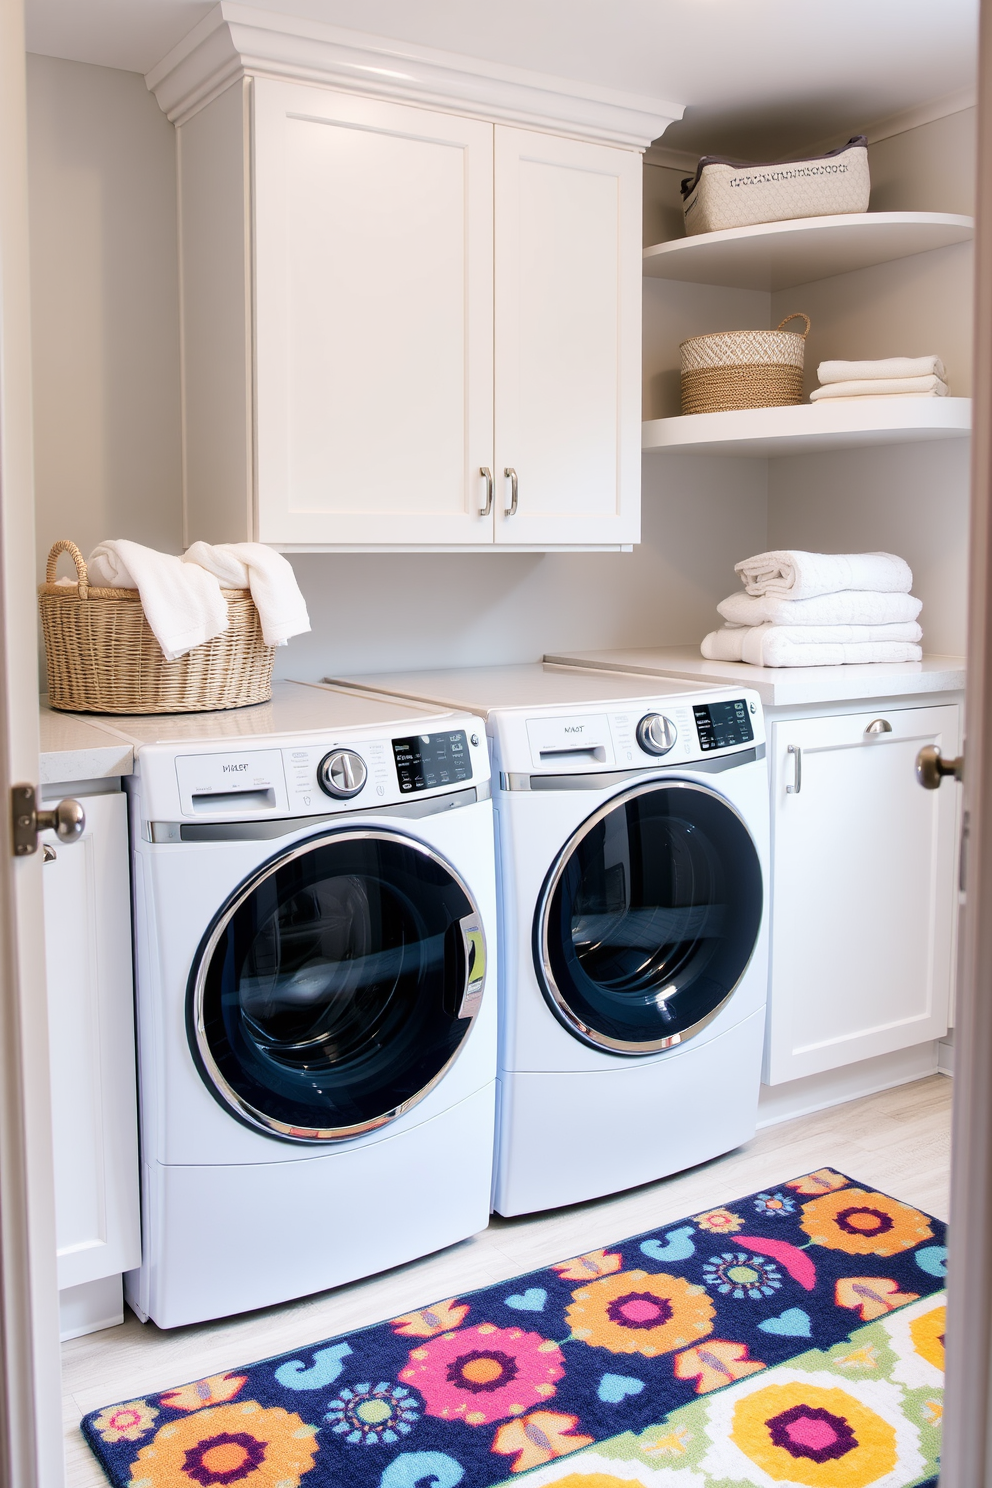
x=314, y=906
x=632, y=835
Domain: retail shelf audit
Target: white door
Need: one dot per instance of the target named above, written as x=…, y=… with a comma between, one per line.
x=864, y=890
x=91, y=1023
x=568, y=340
x=373, y=284
x=30, y=1387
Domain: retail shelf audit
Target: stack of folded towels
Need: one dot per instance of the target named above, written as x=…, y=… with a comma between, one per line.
x=819, y=609
x=915, y=377
x=182, y=597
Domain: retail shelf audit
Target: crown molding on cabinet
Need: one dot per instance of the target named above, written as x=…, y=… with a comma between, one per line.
x=236, y=40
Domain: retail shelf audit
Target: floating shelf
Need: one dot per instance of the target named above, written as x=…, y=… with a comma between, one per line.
x=780, y=255
x=809, y=428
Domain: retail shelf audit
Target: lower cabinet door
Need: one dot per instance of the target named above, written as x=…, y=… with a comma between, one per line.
x=91, y=1038
x=864, y=889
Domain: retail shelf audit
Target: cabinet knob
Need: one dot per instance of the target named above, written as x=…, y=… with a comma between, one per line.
x=931, y=767
x=879, y=726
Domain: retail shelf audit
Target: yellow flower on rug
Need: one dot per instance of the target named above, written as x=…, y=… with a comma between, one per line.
x=636, y=1312
x=248, y=1444
x=824, y=1438
x=927, y=1333
x=863, y=1223
x=719, y=1221
x=128, y=1422
x=585, y=1267
x=440, y=1318
x=824, y=1180
x=538, y=1438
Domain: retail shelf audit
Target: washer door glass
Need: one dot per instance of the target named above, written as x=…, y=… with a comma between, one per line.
x=336, y=986
x=649, y=917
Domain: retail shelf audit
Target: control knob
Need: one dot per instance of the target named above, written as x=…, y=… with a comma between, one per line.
x=656, y=734
x=342, y=774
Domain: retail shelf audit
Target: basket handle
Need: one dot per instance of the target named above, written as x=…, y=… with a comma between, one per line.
x=796, y=315
x=82, y=576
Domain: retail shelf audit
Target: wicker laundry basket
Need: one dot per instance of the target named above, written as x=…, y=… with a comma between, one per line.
x=743, y=369
x=104, y=658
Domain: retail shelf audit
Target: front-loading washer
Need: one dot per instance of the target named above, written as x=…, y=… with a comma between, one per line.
x=314, y=904
x=632, y=851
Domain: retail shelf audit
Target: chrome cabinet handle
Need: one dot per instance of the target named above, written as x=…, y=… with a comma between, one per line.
x=931, y=767
x=474, y=941
x=511, y=475
x=797, y=783
x=878, y=726
x=487, y=475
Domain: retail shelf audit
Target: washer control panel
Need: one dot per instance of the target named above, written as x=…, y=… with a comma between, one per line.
x=342, y=774
x=723, y=725
x=656, y=734
x=424, y=761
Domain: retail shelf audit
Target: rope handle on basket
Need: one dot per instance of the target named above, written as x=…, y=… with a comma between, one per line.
x=82, y=576
x=796, y=315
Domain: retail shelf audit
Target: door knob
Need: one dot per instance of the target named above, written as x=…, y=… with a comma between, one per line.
x=67, y=820
x=931, y=767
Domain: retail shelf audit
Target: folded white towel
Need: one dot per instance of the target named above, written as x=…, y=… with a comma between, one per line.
x=891, y=387
x=270, y=577
x=794, y=574
x=886, y=367
x=850, y=607
x=182, y=603
x=770, y=646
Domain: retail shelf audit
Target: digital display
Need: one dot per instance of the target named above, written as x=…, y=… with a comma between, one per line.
x=426, y=760
x=721, y=724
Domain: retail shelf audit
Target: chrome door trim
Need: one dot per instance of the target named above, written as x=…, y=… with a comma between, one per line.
x=549, y=987
x=196, y=1031
x=263, y=831
x=513, y=780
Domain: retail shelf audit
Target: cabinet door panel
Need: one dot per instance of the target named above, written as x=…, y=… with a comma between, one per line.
x=568, y=292
x=864, y=890
x=91, y=1039
x=373, y=226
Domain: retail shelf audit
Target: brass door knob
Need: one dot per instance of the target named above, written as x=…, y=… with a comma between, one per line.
x=931, y=767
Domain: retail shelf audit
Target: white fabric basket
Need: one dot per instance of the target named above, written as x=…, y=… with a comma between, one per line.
x=723, y=194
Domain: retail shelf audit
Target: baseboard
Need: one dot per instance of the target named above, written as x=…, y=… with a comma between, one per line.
x=945, y=1055
x=90, y=1307
x=832, y=1088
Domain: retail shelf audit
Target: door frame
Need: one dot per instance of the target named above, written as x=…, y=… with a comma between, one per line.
x=31, y=1454
x=967, y=1450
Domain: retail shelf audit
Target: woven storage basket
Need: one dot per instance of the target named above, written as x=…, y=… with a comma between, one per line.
x=103, y=656
x=743, y=369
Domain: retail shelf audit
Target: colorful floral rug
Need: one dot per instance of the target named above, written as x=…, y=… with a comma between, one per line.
x=791, y=1337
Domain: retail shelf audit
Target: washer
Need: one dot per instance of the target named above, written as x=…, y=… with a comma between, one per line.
x=632, y=832
x=314, y=901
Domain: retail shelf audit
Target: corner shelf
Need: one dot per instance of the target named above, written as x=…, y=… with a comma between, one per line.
x=780, y=255
x=810, y=428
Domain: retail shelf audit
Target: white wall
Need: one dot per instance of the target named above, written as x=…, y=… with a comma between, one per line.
x=105, y=305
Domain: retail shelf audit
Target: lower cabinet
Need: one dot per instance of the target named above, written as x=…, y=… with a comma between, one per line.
x=91, y=1037
x=864, y=888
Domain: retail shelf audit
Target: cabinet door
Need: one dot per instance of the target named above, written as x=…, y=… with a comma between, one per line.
x=864, y=888
x=91, y=1038
x=568, y=339
x=373, y=301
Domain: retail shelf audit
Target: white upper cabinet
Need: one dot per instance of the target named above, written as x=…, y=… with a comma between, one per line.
x=374, y=320
x=568, y=349
x=391, y=297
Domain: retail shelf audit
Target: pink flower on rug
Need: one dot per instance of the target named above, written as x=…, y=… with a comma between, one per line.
x=485, y=1373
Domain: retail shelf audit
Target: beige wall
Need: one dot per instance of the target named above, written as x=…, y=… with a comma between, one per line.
x=105, y=306
x=105, y=309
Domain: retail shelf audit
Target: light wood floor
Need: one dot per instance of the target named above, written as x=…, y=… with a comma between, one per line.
x=898, y=1141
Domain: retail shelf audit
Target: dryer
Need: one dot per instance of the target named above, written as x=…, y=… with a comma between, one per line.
x=314, y=905
x=632, y=842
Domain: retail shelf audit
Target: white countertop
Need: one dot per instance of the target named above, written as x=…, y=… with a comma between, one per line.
x=782, y=687
x=75, y=748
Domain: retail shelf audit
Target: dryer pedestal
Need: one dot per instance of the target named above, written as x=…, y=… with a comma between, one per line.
x=220, y=1243
x=566, y=1138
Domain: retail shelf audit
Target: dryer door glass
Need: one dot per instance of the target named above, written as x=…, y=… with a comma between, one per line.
x=649, y=917
x=336, y=986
